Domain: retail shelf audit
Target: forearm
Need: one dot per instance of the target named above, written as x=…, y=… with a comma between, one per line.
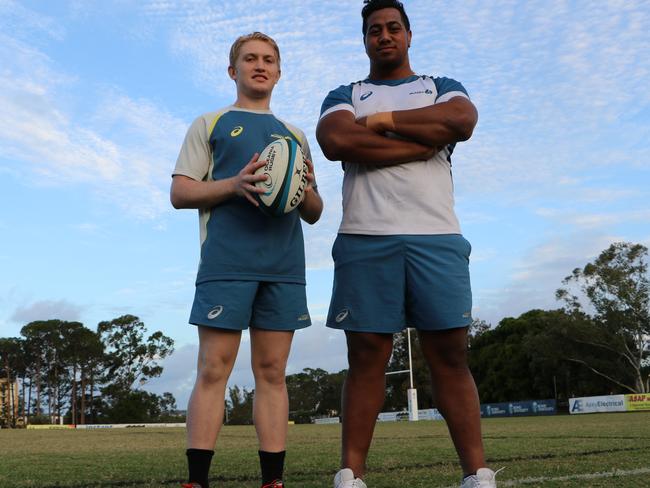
x=189, y=193
x=311, y=207
x=436, y=125
x=355, y=143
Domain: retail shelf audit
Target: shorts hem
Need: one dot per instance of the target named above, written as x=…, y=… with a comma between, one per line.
x=282, y=328
x=219, y=326
x=232, y=327
x=392, y=329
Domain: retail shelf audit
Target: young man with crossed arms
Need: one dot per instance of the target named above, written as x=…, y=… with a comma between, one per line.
x=400, y=258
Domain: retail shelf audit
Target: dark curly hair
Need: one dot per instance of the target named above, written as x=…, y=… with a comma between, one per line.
x=374, y=5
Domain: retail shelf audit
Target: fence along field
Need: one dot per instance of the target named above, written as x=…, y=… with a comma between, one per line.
x=598, y=450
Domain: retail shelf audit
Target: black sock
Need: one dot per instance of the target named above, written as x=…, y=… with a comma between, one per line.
x=198, y=463
x=272, y=464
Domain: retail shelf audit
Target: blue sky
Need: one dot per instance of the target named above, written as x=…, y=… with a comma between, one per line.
x=96, y=97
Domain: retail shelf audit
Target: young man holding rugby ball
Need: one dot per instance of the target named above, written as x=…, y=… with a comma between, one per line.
x=236, y=288
x=400, y=258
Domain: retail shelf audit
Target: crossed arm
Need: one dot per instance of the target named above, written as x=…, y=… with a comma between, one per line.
x=425, y=130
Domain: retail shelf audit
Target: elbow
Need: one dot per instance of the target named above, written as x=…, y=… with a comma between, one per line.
x=465, y=125
x=176, y=199
x=333, y=146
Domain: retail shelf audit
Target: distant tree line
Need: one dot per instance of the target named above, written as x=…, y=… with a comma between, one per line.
x=598, y=343
x=68, y=372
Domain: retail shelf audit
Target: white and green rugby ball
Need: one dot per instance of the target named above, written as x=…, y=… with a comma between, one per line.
x=286, y=177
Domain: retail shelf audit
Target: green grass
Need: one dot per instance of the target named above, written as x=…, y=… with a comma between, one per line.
x=403, y=454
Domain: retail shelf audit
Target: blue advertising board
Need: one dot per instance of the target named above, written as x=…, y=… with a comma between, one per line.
x=519, y=409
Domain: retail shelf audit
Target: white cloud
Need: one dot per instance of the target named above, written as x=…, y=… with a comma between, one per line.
x=117, y=152
x=46, y=310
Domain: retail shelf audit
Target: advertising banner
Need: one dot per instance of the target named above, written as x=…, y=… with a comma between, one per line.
x=519, y=409
x=430, y=414
x=608, y=403
x=328, y=420
x=637, y=402
x=495, y=410
x=544, y=407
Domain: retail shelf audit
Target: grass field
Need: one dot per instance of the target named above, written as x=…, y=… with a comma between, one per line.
x=603, y=450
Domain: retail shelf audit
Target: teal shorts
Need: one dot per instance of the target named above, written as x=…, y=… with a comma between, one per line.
x=237, y=305
x=386, y=283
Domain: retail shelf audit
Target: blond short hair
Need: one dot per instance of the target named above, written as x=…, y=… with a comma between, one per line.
x=255, y=36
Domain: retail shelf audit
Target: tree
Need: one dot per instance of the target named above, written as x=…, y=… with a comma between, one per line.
x=525, y=358
x=45, y=341
x=617, y=288
x=240, y=406
x=131, y=359
x=314, y=393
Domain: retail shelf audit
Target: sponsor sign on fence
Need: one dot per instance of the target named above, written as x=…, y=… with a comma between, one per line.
x=128, y=426
x=328, y=420
x=639, y=401
x=519, y=409
x=607, y=403
x=430, y=414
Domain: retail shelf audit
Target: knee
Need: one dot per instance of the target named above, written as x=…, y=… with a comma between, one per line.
x=450, y=360
x=269, y=371
x=369, y=356
x=212, y=372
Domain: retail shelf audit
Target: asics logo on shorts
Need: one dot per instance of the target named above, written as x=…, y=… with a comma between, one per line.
x=215, y=312
x=303, y=317
x=365, y=96
x=342, y=315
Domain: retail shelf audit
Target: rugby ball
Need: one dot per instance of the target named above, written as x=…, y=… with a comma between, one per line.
x=286, y=177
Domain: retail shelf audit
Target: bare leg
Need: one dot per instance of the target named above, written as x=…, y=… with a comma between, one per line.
x=217, y=353
x=269, y=353
x=455, y=394
x=363, y=395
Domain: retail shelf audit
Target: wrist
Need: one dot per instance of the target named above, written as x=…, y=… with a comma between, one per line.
x=381, y=122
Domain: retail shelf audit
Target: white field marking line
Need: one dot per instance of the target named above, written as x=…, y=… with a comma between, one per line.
x=585, y=476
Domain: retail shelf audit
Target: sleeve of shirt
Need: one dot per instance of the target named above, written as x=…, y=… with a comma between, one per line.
x=195, y=156
x=304, y=145
x=339, y=99
x=448, y=89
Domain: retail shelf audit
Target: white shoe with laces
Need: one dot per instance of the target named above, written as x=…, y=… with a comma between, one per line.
x=484, y=478
x=345, y=479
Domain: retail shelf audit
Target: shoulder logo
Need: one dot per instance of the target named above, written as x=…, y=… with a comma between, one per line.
x=215, y=312
x=365, y=96
x=236, y=131
x=342, y=315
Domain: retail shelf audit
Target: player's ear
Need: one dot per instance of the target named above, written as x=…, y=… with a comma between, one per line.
x=232, y=72
x=409, y=35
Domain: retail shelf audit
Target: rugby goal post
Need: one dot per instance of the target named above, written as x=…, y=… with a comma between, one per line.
x=411, y=393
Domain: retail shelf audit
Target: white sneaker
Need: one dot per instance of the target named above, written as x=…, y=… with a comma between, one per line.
x=345, y=479
x=484, y=478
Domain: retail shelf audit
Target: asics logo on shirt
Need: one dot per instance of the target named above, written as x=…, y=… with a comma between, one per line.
x=215, y=312
x=365, y=96
x=236, y=131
